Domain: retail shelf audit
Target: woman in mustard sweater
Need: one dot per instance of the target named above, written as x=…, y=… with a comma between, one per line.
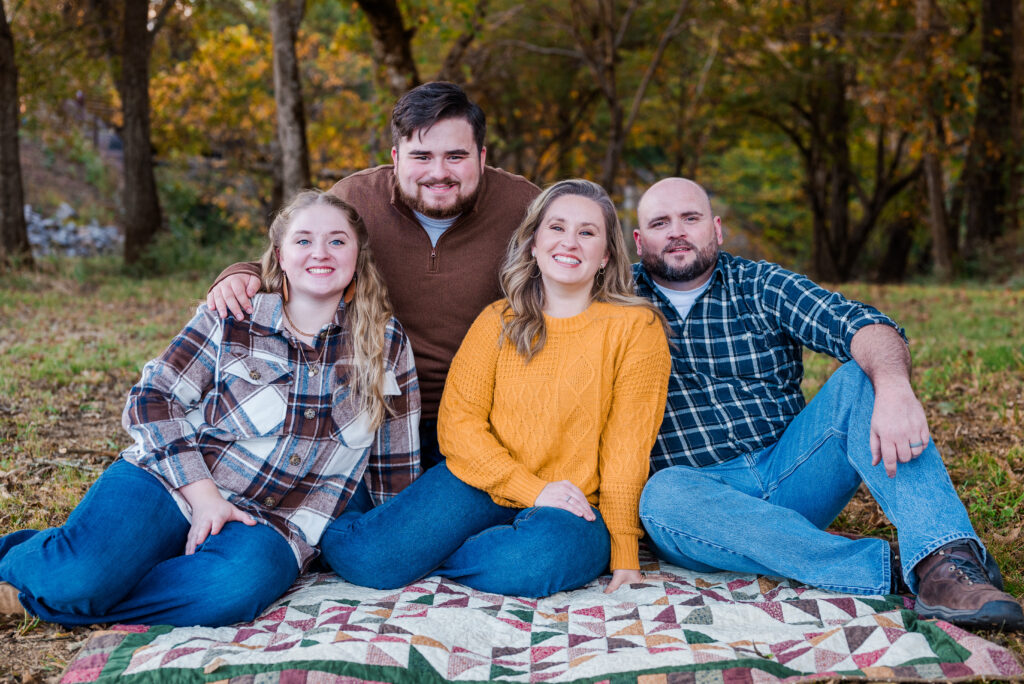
x=548, y=416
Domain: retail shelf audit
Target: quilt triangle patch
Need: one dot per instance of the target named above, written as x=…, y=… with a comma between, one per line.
x=577, y=639
x=699, y=616
x=307, y=608
x=539, y=653
x=524, y=615
x=458, y=664
x=667, y=615
x=633, y=629
x=419, y=640
x=825, y=659
x=856, y=636
x=661, y=640
x=790, y=655
x=502, y=671
x=538, y=637
x=868, y=659
x=582, y=659
x=461, y=602
x=614, y=643
x=772, y=608
x=847, y=605
x=808, y=606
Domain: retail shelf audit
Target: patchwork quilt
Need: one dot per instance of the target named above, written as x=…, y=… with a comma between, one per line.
x=678, y=626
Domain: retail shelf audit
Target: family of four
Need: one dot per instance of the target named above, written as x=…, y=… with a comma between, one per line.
x=541, y=407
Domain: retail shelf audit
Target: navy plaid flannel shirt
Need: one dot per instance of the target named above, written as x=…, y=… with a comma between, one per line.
x=737, y=358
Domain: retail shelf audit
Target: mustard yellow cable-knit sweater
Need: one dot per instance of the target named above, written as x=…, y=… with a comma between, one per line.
x=587, y=409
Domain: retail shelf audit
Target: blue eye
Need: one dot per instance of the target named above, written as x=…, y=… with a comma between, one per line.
x=337, y=243
x=302, y=241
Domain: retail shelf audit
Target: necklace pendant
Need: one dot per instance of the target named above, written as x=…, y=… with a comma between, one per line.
x=313, y=371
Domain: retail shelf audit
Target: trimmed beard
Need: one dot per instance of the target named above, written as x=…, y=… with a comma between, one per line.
x=461, y=205
x=704, y=260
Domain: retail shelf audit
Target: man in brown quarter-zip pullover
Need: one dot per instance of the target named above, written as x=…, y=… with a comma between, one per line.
x=439, y=220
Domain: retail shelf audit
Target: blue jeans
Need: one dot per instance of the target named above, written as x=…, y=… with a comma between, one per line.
x=119, y=558
x=765, y=512
x=440, y=525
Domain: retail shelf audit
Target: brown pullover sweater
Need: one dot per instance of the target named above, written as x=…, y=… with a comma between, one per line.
x=437, y=292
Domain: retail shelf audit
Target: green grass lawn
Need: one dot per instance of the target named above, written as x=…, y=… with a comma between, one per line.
x=73, y=339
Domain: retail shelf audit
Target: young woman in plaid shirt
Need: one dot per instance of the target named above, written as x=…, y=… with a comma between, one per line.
x=250, y=437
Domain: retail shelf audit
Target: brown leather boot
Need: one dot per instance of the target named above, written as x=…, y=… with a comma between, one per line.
x=954, y=586
x=9, y=603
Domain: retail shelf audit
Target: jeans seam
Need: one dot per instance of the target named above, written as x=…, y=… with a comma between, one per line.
x=828, y=434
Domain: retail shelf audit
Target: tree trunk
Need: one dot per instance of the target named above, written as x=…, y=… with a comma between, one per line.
x=943, y=239
x=285, y=17
x=990, y=156
x=893, y=268
x=141, y=202
x=392, y=46
x=942, y=250
x=14, y=246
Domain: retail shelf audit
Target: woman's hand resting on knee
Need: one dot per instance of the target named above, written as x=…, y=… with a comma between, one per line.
x=567, y=496
x=210, y=512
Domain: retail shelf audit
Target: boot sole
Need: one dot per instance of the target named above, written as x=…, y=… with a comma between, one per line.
x=995, y=615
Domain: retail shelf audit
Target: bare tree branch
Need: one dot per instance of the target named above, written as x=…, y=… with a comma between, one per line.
x=666, y=36
x=161, y=17
x=453, y=59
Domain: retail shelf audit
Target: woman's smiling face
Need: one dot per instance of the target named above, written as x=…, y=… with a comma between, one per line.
x=318, y=253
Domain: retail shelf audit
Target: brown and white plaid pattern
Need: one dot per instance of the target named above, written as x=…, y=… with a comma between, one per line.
x=232, y=400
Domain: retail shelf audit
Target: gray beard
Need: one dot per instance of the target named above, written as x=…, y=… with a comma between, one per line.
x=656, y=265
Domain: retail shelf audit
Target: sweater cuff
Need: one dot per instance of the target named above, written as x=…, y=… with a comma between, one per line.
x=523, y=487
x=625, y=553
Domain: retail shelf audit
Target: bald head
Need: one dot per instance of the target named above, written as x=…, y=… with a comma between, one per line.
x=677, y=235
x=670, y=191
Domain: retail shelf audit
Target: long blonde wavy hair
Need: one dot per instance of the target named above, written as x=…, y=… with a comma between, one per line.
x=521, y=282
x=367, y=314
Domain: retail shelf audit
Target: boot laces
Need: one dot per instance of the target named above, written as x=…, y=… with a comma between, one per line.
x=967, y=568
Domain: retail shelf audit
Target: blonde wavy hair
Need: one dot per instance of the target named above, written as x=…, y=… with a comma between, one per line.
x=369, y=311
x=521, y=282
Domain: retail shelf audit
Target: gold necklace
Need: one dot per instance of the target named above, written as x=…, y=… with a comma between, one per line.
x=292, y=324
x=312, y=368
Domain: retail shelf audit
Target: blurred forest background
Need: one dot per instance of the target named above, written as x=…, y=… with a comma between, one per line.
x=874, y=140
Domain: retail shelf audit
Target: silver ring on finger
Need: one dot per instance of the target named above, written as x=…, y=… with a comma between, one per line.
x=916, y=445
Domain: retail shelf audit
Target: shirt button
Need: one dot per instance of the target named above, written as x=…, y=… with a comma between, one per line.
x=269, y=502
x=295, y=460
x=309, y=413
x=254, y=374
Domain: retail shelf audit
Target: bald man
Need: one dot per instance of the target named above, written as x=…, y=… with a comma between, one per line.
x=747, y=476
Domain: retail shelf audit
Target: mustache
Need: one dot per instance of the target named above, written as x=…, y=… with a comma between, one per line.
x=431, y=181
x=680, y=242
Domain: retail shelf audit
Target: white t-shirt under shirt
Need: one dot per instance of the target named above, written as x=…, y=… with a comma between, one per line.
x=683, y=299
x=434, y=227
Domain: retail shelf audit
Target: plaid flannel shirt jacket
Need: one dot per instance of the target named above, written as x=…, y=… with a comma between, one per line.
x=233, y=400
